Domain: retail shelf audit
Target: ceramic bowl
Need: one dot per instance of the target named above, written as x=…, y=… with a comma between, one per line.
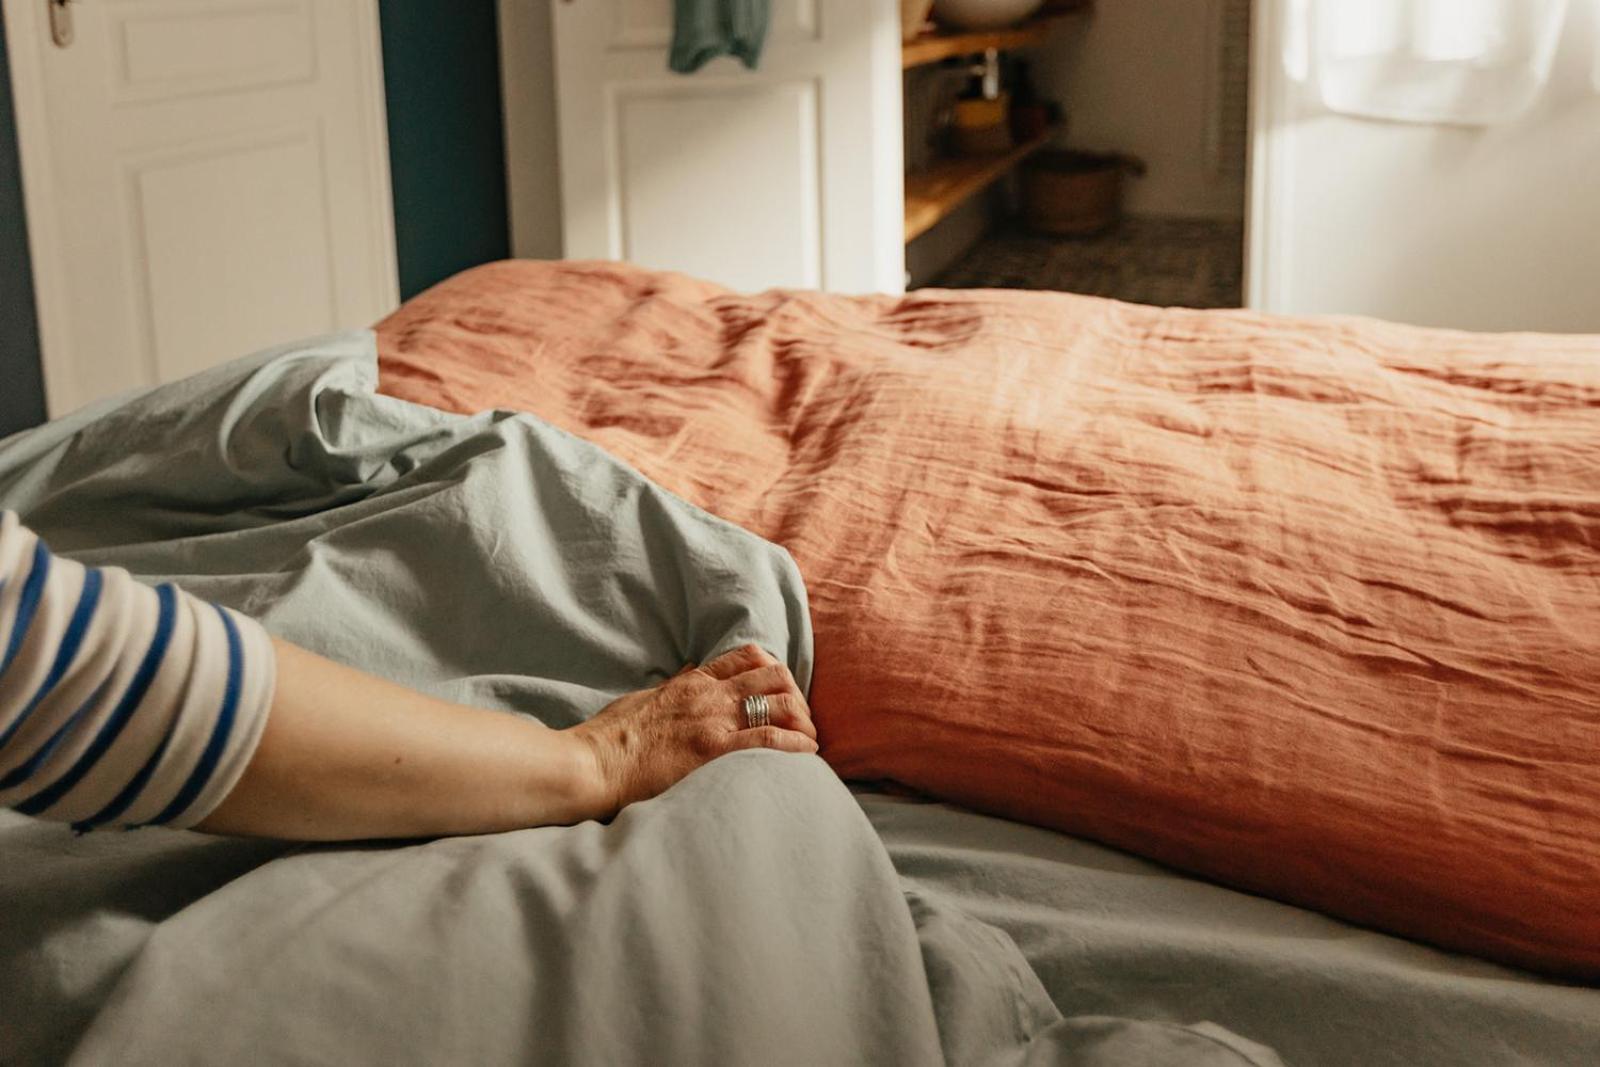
x=983, y=14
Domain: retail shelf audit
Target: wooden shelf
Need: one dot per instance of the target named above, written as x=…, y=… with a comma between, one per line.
x=933, y=193
x=942, y=44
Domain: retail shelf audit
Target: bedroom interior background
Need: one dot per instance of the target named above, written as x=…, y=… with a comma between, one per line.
x=1519, y=264
x=442, y=90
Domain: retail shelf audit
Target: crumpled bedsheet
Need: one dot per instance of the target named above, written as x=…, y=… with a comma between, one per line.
x=748, y=915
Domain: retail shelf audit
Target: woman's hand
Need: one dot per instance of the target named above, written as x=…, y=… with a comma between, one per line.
x=645, y=742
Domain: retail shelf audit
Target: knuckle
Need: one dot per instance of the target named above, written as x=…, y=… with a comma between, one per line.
x=695, y=681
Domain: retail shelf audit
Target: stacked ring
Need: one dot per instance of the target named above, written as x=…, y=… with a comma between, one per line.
x=755, y=711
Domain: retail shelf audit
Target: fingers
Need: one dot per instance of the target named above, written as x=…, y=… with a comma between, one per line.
x=771, y=679
x=772, y=737
x=742, y=659
x=749, y=671
x=788, y=711
x=786, y=705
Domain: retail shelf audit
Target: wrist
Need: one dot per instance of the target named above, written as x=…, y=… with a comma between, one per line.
x=588, y=788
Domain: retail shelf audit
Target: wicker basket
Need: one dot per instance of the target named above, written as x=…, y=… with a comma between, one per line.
x=1075, y=194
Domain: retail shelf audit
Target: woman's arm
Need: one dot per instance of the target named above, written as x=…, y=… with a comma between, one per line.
x=123, y=705
x=347, y=755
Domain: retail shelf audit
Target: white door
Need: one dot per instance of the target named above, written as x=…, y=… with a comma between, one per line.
x=789, y=175
x=203, y=178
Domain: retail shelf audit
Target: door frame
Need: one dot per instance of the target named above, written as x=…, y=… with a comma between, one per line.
x=38, y=197
x=1269, y=185
x=24, y=22
x=532, y=136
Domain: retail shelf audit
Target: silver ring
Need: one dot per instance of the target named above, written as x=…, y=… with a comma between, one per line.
x=755, y=711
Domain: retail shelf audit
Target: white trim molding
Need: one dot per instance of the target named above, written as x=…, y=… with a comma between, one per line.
x=375, y=127
x=533, y=151
x=1270, y=188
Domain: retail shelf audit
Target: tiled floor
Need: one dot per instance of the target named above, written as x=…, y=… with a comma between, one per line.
x=1171, y=262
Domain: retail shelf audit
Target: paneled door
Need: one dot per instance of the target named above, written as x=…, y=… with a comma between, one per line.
x=203, y=178
x=789, y=175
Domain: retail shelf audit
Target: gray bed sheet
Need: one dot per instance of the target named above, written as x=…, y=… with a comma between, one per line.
x=755, y=913
x=1108, y=932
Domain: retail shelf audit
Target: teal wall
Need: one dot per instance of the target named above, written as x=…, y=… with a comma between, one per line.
x=441, y=65
x=447, y=159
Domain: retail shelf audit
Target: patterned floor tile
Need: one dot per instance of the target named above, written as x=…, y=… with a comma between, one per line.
x=1170, y=262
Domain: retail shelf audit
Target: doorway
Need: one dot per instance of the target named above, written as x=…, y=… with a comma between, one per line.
x=1164, y=82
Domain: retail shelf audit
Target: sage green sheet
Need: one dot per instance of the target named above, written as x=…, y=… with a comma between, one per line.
x=1106, y=932
x=749, y=915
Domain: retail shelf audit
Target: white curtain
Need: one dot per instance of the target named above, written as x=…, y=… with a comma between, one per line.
x=1471, y=62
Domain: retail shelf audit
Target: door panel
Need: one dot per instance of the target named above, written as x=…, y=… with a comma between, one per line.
x=203, y=178
x=232, y=246
x=789, y=175
x=760, y=168
x=158, y=53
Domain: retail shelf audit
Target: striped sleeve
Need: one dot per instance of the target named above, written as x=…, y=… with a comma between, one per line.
x=120, y=704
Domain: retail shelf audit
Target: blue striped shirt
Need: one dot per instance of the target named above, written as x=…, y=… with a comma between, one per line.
x=120, y=704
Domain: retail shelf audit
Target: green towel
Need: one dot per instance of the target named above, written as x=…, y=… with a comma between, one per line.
x=706, y=29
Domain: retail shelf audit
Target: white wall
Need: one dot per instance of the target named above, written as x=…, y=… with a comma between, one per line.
x=1490, y=228
x=1146, y=77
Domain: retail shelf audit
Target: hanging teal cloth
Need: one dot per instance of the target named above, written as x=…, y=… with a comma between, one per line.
x=705, y=29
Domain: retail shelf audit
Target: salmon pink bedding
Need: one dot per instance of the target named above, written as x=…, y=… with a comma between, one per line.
x=1311, y=607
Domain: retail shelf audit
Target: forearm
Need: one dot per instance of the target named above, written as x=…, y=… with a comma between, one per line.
x=346, y=755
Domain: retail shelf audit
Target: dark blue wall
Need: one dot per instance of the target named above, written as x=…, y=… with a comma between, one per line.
x=21, y=389
x=447, y=157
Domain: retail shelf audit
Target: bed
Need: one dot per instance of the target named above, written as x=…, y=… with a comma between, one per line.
x=937, y=908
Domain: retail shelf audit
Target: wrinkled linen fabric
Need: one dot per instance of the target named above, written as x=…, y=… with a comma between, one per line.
x=1311, y=607
x=748, y=915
